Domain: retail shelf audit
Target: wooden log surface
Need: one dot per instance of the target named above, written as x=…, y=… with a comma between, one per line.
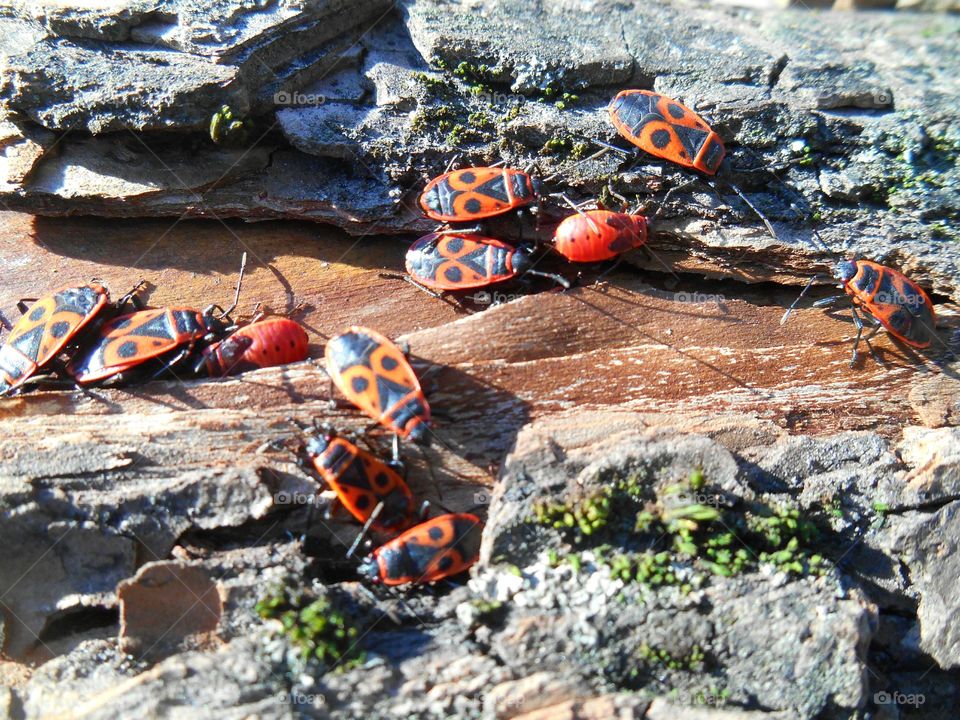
x=654, y=343
x=133, y=472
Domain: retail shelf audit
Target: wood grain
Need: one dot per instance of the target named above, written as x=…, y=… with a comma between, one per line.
x=653, y=343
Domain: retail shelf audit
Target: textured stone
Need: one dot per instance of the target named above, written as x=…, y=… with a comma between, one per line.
x=165, y=604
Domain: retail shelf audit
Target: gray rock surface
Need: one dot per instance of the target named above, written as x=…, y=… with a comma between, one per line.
x=862, y=135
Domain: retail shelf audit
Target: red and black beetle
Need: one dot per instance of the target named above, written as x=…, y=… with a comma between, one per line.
x=134, y=344
x=375, y=376
x=127, y=345
x=438, y=548
x=597, y=235
x=889, y=297
x=367, y=488
x=472, y=194
x=463, y=262
x=663, y=127
x=52, y=325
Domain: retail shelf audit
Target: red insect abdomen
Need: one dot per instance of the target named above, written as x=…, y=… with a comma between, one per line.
x=270, y=342
x=599, y=235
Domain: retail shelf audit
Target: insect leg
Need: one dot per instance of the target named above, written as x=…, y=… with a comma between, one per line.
x=472, y=230
x=607, y=147
x=424, y=510
x=22, y=304
x=395, y=462
x=168, y=366
x=614, y=266
x=132, y=297
x=453, y=161
x=407, y=278
x=856, y=342
x=365, y=529
x=869, y=337
x=559, y=279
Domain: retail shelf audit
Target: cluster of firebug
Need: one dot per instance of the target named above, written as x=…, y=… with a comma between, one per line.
x=451, y=260
x=77, y=337
x=376, y=376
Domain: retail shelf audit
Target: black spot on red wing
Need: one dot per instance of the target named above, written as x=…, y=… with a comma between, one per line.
x=445, y=563
x=472, y=205
x=293, y=343
x=363, y=502
x=381, y=479
x=37, y=313
x=453, y=274
x=468, y=177
x=435, y=533
x=455, y=244
x=157, y=343
x=676, y=111
x=683, y=154
x=388, y=363
x=359, y=385
x=128, y=349
x=59, y=329
x=660, y=139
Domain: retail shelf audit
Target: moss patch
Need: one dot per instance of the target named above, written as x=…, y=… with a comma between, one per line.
x=678, y=533
x=320, y=630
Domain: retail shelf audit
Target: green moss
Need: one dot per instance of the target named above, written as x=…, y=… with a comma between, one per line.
x=552, y=92
x=806, y=157
x=512, y=114
x=918, y=172
x=659, y=657
x=679, y=526
x=480, y=120
x=227, y=129
x=317, y=628
x=433, y=84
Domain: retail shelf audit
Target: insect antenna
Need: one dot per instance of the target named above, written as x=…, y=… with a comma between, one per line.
x=236, y=296
x=663, y=203
x=749, y=203
x=799, y=297
x=578, y=209
x=559, y=279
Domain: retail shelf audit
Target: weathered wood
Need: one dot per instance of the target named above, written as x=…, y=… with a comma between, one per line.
x=144, y=466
